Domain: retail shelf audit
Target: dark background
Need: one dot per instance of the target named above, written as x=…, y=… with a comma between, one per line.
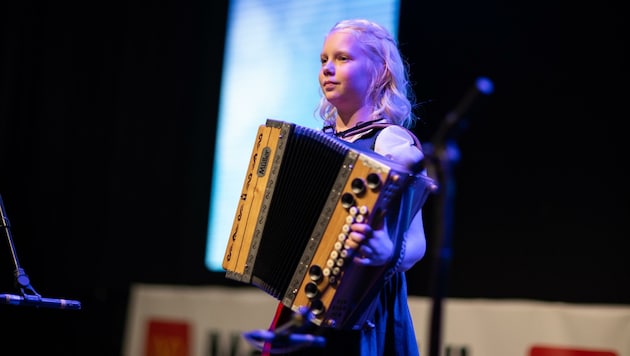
x=106, y=142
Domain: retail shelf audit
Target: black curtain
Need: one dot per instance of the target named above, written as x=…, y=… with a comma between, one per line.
x=106, y=140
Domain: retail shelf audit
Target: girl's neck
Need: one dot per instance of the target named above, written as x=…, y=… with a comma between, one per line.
x=347, y=121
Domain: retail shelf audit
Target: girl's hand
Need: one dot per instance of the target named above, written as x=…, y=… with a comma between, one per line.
x=371, y=247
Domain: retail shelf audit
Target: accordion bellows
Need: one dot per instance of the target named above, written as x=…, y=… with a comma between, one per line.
x=302, y=190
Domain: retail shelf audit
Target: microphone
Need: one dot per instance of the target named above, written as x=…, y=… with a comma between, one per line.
x=283, y=343
x=36, y=301
x=483, y=86
x=286, y=338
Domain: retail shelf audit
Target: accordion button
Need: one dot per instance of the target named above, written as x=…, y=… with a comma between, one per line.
x=347, y=200
x=353, y=211
x=317, y=307
x=315, y=272
x=358, y=186
x=373, y=180
x=311, y=290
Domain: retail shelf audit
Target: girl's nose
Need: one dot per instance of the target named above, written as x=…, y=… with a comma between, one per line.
x=328, y=68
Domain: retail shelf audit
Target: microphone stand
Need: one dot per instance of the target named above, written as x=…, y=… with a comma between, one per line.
x=29, y=296
x=443, y=157
x=443, y=154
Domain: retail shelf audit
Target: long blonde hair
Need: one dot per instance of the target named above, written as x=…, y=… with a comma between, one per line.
x=390, y=89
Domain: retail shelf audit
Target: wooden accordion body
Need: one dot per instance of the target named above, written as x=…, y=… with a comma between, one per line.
x=302, y=190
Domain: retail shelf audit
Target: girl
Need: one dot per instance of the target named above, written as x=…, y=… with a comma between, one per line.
x=367, y=101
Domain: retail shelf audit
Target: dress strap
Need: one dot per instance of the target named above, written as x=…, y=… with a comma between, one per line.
x=369, y=125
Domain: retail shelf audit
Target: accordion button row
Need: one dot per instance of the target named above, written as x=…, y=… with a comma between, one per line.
x=335, y=262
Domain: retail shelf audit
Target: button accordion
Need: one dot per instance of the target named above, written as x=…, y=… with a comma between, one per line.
x=302, y=191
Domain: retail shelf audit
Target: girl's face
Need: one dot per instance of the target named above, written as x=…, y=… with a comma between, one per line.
x=345, y=73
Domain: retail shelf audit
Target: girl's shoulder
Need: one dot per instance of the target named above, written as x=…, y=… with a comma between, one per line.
x=399, y=144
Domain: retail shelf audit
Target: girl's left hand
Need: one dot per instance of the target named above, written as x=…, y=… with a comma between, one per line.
x=371, y=247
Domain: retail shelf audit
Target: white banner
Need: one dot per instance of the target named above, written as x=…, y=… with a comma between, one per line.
x=165, y=320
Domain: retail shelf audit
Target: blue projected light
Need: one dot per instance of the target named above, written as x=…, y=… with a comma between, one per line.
x=270, y=71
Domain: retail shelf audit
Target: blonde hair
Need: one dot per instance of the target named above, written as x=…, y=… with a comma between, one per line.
x=390, y=89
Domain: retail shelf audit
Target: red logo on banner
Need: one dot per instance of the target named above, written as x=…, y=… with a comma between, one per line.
x=167, y=338
x=562, y=351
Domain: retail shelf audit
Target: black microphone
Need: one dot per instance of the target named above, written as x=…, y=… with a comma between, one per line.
x=36, y=301
x=292, y=339
x=282, y=343
x=286, y=338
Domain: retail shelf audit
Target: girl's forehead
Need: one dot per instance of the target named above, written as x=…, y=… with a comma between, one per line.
x=341, y=38
x=342, y=34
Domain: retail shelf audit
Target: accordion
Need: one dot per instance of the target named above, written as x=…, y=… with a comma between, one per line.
x=302, y=191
